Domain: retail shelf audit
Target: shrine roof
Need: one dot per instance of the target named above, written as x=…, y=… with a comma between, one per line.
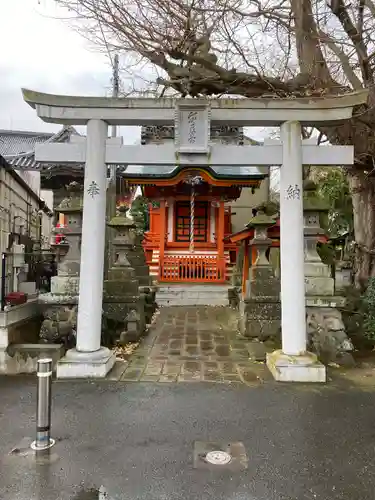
x=247, y=232
x=167, y=172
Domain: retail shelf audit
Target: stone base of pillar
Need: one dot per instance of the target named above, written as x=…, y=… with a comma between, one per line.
x=305, y=368
x=77, y=364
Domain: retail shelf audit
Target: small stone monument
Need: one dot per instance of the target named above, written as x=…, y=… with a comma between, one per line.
x=260, y=311
x=147, y=291
x=343, y=266
x=343, y=275
x=325, y=328
x=122, y=302
x=137, y=260
x=60, y=305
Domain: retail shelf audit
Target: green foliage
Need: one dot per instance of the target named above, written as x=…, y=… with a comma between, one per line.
x=333, y=187
x=270, y=207
x=139, y=212
x=369, y=302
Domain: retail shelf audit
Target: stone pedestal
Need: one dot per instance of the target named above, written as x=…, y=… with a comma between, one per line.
x=325, y=328
x=260, y=310
x=60, y=304
x=122, y=303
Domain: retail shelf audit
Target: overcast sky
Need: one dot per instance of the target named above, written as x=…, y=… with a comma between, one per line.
x=41, y=52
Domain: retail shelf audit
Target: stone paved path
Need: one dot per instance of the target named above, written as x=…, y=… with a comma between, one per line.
x=192, y=344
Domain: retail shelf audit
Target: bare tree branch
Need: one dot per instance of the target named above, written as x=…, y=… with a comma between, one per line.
x=344, y=60
x=340, y=11
x=250, y=48
x=371, y=6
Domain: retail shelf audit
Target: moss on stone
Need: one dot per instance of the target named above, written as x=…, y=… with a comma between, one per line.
x=261, y=219
x=121, y=221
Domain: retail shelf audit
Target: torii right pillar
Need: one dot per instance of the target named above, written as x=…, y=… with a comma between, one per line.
x=293, y=363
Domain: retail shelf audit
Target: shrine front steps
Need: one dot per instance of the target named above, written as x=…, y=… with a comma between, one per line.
x=192, y=294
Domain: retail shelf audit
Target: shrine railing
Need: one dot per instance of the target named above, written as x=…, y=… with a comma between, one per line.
x=192, y=268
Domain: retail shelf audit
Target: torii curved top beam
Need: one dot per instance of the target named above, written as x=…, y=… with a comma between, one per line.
x=76, y=110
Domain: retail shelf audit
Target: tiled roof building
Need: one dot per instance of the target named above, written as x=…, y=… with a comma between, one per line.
x=15, y=142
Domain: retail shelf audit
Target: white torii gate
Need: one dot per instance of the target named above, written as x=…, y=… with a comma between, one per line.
x=192, y=147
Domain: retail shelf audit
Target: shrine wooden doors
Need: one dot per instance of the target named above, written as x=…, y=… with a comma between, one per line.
x=201, y=221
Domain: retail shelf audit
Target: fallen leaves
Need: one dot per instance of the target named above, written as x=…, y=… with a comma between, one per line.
x=124, y=351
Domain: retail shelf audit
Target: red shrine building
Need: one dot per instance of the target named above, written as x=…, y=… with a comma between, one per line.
x=190, y=217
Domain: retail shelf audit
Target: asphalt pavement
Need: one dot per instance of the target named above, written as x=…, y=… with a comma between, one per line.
x=137, y=441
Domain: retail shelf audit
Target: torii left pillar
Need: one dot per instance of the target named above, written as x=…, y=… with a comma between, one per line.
x=89, y=358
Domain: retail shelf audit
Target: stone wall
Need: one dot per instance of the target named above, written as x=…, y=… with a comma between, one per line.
x=326, y=334
x=18, y=326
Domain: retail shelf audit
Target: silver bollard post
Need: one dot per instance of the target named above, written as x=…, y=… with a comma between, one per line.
x=43, y=409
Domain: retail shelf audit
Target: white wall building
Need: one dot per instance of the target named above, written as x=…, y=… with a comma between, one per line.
x=13, y=143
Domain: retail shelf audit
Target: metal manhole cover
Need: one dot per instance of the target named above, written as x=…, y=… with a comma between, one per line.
x=218, y=457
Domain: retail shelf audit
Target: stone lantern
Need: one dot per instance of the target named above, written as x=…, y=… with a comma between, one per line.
x=318, y=280
x=123, y=241
x=72, y=208
x=261, y=242
x=60, y=304
x=260, y=310
x=325, y=329
x=122, y=302
x=313, y=208
x=129, y=253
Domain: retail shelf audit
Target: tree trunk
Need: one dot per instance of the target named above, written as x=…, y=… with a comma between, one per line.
x=362, y=188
